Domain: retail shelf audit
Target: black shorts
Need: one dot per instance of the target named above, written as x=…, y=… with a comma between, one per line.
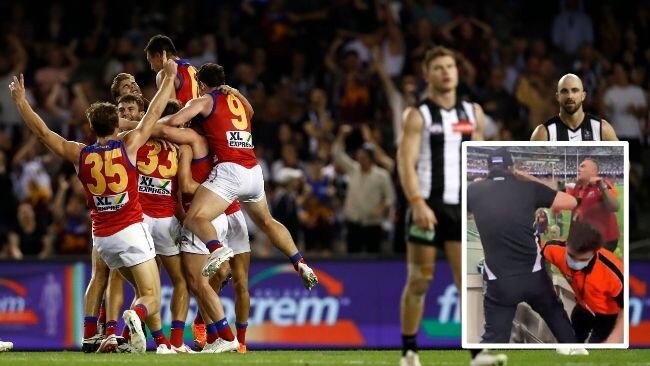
x=449, y=226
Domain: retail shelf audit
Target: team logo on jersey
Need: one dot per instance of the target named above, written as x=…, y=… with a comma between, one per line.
x=436, y=129
x=574, y=135
x=464, y=127
x=153, y=185
x=239, y=139
x=587, y=135
x=111, y=203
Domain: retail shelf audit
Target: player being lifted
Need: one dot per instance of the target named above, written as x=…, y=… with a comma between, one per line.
x=237, y=175
x=185, y=85
x=107, y=171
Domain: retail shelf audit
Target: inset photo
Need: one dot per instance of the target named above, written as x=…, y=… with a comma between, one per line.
x=545, y=245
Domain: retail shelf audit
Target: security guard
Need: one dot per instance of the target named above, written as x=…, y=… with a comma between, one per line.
x=504, y=207
x=596, y=277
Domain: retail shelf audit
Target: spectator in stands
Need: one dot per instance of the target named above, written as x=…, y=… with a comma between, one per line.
x=286, y=201
x=317, y=216
x=7, y=197
x=12, y=62
x=29, y=237
x=572, y=27
x=626, y=108
x=71, y=227
x=369, y=195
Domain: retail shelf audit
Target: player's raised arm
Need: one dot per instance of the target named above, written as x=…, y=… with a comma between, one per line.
x=69, y=150
x=160, y=76
x=184, y=136
x=139, y=136
x=192, y=108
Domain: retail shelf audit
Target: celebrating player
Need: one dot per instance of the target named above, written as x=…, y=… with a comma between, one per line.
x=237, y=175
x=107, y=171
x=185, y=85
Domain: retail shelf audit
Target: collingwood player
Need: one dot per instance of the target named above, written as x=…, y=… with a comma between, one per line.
x=572, y=123
x=429, y=163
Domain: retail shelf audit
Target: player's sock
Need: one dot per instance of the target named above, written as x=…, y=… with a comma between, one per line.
x=90, y=326
x=213, y=245
x=178, y=327
x=223, y=328
x=198, y=319
x=126, y=333
x=241, y=332
x=409, y=343
x=159, y=338
x=141, y=310
x=295, y=259
x=213, y=333
x=475, y=352
x=101, y=319
x=111, y=327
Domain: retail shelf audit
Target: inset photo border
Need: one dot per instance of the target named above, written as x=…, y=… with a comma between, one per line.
x=554, y=164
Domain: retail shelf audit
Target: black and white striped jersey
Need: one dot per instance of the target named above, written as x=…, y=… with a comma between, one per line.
x=590, y=129
x=438, y=164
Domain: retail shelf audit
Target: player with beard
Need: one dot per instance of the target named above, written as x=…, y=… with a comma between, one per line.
x=572, y=123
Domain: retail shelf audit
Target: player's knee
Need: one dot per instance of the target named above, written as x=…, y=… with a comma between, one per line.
x=193, y=285
x=419, y=280
x=240, y=286
x=98, y=281
x=419, y=287
x=177, y=278
x=147, y=290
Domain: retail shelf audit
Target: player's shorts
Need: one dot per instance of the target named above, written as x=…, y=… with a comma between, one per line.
x=165, y=232
x=126, y=248
x=237, y=237
x=191, y=243
x=232, y=181
x=448, y=227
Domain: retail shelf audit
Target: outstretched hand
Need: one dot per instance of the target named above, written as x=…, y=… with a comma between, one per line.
x=17, y=88
x=169, y=65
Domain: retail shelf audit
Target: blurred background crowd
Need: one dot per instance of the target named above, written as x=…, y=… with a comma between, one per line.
x=328, y=81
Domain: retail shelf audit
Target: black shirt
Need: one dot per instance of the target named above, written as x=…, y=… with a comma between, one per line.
x=504, y=211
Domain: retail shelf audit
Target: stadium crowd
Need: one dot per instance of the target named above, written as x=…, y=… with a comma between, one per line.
x=308, y=68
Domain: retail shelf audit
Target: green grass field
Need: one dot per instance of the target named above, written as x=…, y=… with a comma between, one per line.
x=313, y=358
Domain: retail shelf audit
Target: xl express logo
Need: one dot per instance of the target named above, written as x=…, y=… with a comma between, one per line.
x=239, y=139
x=13, y=309
x=152, y=185
x=111, y=203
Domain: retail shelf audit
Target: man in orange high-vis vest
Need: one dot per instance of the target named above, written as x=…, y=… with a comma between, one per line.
x=596, y=277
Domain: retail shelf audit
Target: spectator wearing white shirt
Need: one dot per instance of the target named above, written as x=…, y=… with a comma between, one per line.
x=626, y=108
x=369, y=195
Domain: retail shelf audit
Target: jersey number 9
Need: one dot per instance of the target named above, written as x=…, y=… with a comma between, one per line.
x=238, y=111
